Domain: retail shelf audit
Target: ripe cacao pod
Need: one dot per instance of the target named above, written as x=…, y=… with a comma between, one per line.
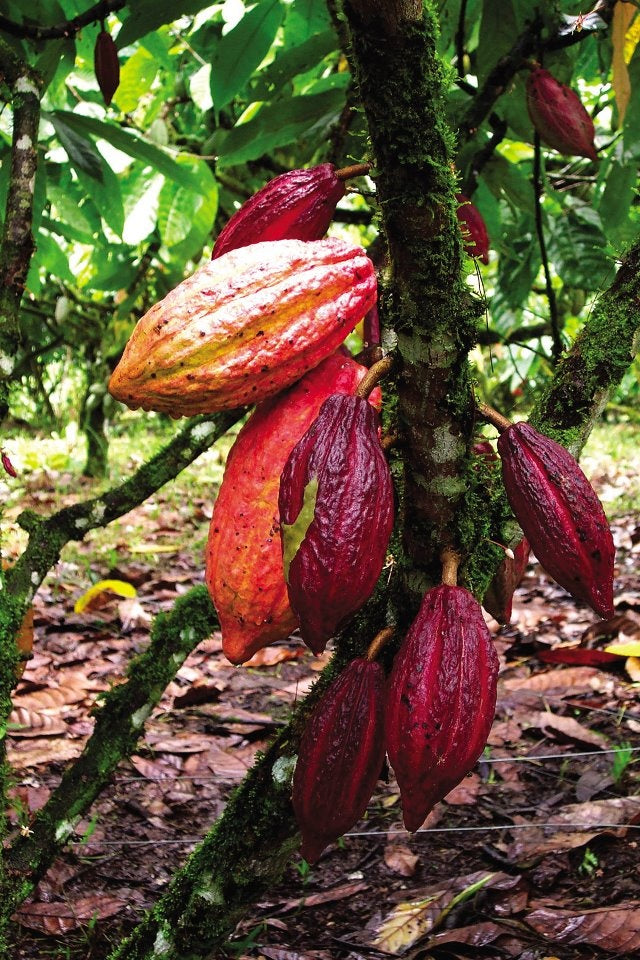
x=244, y=551
x=473, y=228
x=245, y=326
x=106, y=65
x=336, y=511
x=558, y=115
x=297, y=205
x=340, y=757
x=498, y=600
x=560, y=515
x=442, y=696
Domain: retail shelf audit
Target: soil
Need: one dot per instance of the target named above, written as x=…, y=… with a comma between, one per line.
x=534, y=855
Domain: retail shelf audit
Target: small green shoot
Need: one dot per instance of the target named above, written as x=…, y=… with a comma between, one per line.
x=304, y=869
x=589, y=863
x=621, y=760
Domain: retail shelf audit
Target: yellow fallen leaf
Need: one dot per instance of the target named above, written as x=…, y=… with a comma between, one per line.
x=632, y=666
x=628, y=648
x=152, y=548
x=120, y=587
x=623, y=14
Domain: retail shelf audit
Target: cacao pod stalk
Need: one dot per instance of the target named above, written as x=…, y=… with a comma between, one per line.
x=336, y=511
x=441, y=703
x=244, y=551
x=340, y=757
x=245, y=326
x=560, y=514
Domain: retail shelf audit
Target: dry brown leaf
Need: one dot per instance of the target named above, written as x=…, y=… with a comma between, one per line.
x=277, y=653
x=476, y=935
x=325, y=896
x=132, y=615
x=465, y=792
x=567, y=727
x=400, y=859
x=52, y=698
x=30, y=723
x=60, y=918
x=582, y=678
x=32, y=754
x=281, y=953
x=153, y=769
x=614, y=929
x=613, y=810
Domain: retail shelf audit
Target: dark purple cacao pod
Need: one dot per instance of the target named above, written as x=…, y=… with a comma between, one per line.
x=560, y=515
x=340, y=758
x=336, y=511
x=297, y=205
x=557, y=114
x=474, y=229
x=498, y=600
x=442, y=697
x=106, y=65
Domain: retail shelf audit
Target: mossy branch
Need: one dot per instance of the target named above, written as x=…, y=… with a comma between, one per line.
x=119, y=724
x=16, y=243
x=594, y=366
x=247, y=849
x=47, y=536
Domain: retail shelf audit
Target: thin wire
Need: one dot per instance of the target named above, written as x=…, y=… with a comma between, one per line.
x=490, y=760
x=585, y=828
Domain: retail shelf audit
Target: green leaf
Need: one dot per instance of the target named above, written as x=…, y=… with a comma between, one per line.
x=184, y=215
x=306, y=17
x=136, y=78
x=519, y=262
x=141, y=202
x=49, y=60
x=577, y=247
x=498, y=30
x=133, y=145
x=293, y=61
x=617, y=196
x=49, y=255
x=106, y=197
x=294, y=533
x=240, y=51
x=280, y=123
x=504, y=178
x=80, y=150
x=148, y=15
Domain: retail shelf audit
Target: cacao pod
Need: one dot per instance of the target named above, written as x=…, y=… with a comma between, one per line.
x=498, y=600
x=473, y=228
x=245, y=326
x=560, y=515
x=297, y=205
x=8, y=465
x=106, y=65
x=244, y=551
x=336, y=511
x=442, y=695
x=340, y=758
x=558, y=115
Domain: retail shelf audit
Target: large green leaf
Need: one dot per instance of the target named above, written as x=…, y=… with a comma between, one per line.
x=80, y=149
x=133, y=145
x=306, y=17
x=106, y=197
x=278, y=124
x=240, y=51
x=506, y=179
x=293, y=61
x=498, y=31
x=618, y=194
x=148, y=15
x=519, y=261
x=577, y=247
x=187, y=217
x=136, y=79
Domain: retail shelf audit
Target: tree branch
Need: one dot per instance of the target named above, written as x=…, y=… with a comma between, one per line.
x=47, y=536
x=558, y=345
x=16, y=245
x=119, y=725
x=68, y=28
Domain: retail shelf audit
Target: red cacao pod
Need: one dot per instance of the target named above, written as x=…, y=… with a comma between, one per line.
x=473, y=228
x=106, y=65
x=336, y=511
x=557, y=114
x=498, y=600
x=8, y=465
x=560, y=515
x=244, y=550
x=340, y=757
x=297, y=205
x=245, y=326
x=442, y=696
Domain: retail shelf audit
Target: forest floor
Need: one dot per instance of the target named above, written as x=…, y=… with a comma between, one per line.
x=534, y=855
